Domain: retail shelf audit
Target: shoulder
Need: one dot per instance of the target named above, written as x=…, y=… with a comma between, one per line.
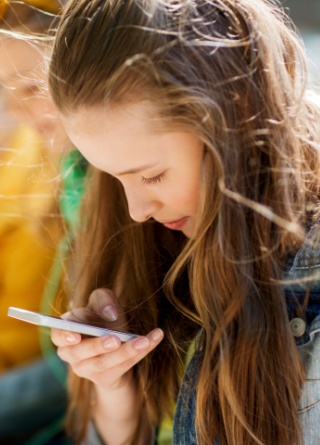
x=302, y=292
x=309, y=405
x=302, y=286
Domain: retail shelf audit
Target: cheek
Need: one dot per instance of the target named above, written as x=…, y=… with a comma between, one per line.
x=185, y=197
x=193, y=196
x=39, y=107
x=14, y=106
x=193, y=187
x=19, y=106
x=190, y=178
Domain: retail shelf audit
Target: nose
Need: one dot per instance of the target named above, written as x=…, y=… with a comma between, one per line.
x=142, y=206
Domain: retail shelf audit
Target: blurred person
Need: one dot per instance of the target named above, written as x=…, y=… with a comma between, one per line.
x=32, y=378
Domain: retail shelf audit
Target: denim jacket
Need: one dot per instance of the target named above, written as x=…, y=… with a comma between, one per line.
x=305, y=327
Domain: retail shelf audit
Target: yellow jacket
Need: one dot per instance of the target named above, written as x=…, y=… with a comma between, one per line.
x=29, y=232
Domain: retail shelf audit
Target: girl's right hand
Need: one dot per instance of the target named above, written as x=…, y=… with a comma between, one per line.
x=103, y=360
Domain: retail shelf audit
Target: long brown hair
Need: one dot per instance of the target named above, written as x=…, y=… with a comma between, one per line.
x=233, y=72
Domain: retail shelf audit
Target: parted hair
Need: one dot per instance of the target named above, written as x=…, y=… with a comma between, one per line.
x=232, y=72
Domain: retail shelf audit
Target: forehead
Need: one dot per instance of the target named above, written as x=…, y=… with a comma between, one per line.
x=125, y=118
x=17, y=58
x=112, y=137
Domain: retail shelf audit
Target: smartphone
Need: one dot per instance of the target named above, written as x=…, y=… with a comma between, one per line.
x=59, y=323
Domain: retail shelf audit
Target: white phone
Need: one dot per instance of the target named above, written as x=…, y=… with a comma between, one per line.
x=59, y=323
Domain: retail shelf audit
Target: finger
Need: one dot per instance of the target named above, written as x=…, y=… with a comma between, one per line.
x=108, y=356
x=105, y=303
x=102, y=305
x=118, y=362
x=87, y=349
x=72, y=350
x=77, y=314
x=60, y=337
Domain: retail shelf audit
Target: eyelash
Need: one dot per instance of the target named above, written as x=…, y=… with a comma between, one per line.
x=152, y=181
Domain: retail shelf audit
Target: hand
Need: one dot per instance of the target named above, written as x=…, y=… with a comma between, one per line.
x=103, y=360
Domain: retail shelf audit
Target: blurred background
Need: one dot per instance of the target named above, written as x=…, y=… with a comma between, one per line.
x=306, y=16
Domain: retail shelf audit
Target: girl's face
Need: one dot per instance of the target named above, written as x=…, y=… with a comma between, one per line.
x=20, y=77
x=159, y=170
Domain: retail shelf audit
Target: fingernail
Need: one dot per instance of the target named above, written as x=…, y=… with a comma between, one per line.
x=110, y=312
x=141, y=343
x=157, y=334
x=66, y=315
x=71, y=338
x=111, y=343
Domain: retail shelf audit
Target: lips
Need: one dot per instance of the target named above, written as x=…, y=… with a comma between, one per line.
x=176, y=225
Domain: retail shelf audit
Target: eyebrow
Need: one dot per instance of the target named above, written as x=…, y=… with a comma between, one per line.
x=135, y=170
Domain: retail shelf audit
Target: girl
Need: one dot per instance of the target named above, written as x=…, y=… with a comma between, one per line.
x=201, y=221
x=31, y=227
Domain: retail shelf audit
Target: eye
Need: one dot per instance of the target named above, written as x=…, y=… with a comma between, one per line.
x=152, y=181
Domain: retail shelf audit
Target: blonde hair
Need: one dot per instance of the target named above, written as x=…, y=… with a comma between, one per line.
x=233, y=72
x=28, y=18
